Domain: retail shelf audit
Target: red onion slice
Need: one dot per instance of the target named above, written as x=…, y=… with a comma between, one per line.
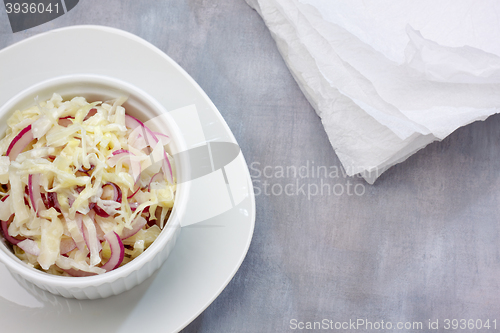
x=136, y=139
x=120, y=151
x=51, y=201
x=66, y=121
x=157, y=177
x=132, y=122
x=5, y=230
x=67, y=245
x=136, y=225
x=34, y=192
x=99, y=211
x=151, y=139
x=137, y=190
x=117, y=192
x=91, y=113
x=20, y=142
x=150, y=221
x=83, y=169
x=133, y=205
x=117, y=251
x=45, y=199
x=78, y=273
x=164, y=139
x=116, y=196
x=167, y=169
x=29, y=246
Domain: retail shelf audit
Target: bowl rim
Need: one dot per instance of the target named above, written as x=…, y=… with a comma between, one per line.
x=169, y=230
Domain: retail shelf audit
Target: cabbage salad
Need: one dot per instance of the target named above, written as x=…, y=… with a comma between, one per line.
x=85, y=187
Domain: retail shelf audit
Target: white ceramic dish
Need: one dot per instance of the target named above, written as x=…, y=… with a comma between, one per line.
x=207, y=254
x=142, y=106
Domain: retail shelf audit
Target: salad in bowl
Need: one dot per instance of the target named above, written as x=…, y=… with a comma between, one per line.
x=89, y=200
x=86, y=187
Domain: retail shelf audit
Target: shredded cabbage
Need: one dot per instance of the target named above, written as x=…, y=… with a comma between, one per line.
x=93, y=176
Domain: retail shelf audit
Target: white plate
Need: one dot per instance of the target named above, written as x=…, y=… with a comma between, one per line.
x=207, y=254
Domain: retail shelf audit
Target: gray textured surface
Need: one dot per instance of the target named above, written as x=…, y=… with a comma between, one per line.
x=420, y=244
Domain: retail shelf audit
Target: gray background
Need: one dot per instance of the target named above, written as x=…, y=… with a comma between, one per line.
x=420, y=244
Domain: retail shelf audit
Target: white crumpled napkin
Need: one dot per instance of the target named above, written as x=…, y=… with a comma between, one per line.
x=389, y=77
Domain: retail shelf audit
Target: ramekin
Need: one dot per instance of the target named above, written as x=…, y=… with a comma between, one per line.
x=144, y=107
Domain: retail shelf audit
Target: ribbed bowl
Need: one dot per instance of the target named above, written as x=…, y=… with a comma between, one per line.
x=143, y=107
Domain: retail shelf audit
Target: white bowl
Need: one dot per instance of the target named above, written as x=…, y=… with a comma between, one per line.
x=143, y=107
